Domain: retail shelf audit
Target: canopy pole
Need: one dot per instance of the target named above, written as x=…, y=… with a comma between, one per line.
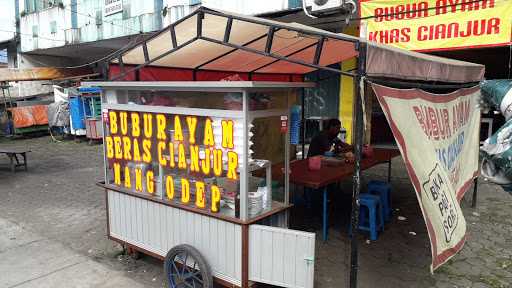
x=359, y=134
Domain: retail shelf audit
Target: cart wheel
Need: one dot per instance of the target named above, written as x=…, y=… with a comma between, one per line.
x=195, y=273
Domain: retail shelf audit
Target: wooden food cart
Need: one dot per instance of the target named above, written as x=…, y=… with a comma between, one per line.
x=182, y=160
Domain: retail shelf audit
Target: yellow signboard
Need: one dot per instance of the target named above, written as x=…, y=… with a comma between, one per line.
x=437, y=24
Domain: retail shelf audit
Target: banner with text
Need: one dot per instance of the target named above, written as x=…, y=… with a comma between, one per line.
x=438, y=136
x=437, y=24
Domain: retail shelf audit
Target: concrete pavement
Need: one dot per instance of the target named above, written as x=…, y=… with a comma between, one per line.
x=30, y=260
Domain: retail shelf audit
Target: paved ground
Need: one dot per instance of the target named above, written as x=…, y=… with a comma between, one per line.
x=53, y=232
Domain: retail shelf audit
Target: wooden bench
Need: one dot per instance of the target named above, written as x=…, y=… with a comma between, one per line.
x=13, y=156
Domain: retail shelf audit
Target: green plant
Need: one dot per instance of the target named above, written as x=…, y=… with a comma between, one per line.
x=61, y=5
x=23, y=13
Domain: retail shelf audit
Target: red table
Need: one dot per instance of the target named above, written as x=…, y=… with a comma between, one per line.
x=301, y=175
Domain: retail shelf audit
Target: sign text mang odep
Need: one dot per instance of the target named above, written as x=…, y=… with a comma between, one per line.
x=140, y=136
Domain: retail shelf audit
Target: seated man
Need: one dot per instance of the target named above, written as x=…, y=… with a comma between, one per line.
x=327, y=140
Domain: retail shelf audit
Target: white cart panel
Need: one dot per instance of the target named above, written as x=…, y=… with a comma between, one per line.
x=157, y=228
x=281, y=257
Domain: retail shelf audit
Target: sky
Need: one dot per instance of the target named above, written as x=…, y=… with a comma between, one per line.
x=6, y=19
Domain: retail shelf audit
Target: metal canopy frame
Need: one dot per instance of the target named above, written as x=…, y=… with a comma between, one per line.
x=359, y=76
x=321, y=36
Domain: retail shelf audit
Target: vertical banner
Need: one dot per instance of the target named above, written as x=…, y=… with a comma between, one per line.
x=438, y=136
x=425, y=25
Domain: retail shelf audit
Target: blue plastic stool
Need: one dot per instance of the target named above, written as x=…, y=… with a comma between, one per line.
x=371, y=216
x=383, y=190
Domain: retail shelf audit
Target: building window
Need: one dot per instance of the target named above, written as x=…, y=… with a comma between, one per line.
x=195, y=2
x=177, y=12
x=35, y=31
x=53, y=27
x=294, y=4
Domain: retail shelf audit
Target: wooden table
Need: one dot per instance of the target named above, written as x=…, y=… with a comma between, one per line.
x=301, y=175
x=12, y=154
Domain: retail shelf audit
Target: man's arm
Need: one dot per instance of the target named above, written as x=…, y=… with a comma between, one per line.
x=342, y=147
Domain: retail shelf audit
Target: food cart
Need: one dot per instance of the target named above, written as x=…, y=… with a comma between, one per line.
x=197, y=172
x=191, y=178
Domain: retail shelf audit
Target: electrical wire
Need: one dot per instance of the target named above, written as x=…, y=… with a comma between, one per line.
x=31, y=35
x=414, y=11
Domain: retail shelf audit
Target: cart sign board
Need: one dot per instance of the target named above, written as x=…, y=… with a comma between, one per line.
x=438, y=136
x=113, y=7
x=437, y=24
x=146, y=138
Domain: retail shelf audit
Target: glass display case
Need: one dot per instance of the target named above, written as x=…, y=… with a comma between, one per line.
x=218, y=148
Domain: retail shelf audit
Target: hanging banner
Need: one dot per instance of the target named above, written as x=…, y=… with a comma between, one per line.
x=437, y=24
x=438, y=136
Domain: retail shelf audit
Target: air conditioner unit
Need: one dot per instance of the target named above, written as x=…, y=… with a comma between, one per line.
x=324, y=7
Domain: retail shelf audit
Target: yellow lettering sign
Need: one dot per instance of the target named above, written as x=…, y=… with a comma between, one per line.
x=113, y=122
x=150, y=184
x=208, y=133
x=185, y=191
x=148, y=125
x=200, y=197
x=117, y=174
x=127, y=147
x=194, y=158
x=160, y=148
x=127, y=178
x=217, y=162
x=124, y=122
x=232, y=165
x=178, y=133
x=146, y=145
x=192, y=123
x=117, y=146
x=182, y=160
x=215, y=198
x=138, y=179
x=160, y=123
x=135, y=124
x=169, y=187
x=205, y=163
x=136, y=150
x=227, y=134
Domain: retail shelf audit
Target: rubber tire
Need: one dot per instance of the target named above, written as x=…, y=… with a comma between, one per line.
x=206, y=271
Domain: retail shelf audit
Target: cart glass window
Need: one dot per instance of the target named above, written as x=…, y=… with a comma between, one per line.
x=186, y=99
x=185, y=160
x=267, y=150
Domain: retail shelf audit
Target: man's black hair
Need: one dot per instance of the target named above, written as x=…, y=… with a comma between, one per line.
x=332, y=123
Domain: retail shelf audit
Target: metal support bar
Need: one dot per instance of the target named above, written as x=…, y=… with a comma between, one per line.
x=200, y=16
x=145, y=51
x=173, y=37
x=406, y=84
x=229, y=52
x=277, y=25
x=359, y=136
x=154, y=59
x=475, y=190
x=270, y=39
x=255, y=51
x=121, y=63
x=227, y=32
x=318, y=51
x=287, y=55
x=302, y=120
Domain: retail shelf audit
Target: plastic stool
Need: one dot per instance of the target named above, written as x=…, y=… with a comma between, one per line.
x=375, y=221
x=383, y=190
